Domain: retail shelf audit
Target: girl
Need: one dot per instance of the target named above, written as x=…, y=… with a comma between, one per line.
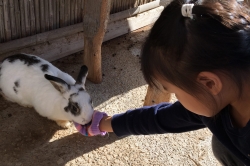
x=199, y=50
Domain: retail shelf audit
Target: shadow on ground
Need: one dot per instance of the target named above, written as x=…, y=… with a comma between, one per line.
x=29, y=139
x=26, y=139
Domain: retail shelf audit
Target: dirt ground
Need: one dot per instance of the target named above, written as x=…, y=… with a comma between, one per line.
x=27, y=139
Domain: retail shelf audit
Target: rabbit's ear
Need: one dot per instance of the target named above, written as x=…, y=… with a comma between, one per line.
x=82, y=76
x=58, y=83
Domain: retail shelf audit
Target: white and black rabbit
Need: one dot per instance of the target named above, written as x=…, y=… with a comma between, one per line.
x=34, y=82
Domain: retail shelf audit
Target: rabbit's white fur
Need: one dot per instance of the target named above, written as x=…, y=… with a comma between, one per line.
x=22, y=80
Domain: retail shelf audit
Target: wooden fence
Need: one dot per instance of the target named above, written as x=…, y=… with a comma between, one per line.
x=22, y=18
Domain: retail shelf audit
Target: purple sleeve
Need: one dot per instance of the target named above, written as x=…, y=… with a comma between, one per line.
x=157, y=119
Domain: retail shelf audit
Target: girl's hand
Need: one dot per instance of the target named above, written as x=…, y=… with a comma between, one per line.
x=92, y=128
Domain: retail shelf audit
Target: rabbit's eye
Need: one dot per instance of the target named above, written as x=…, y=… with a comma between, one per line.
x=73, y=94
x=73, y=108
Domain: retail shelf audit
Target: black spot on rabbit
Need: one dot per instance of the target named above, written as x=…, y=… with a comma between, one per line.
x=45, y=68
x=73, y=108
x=15, y=90
x=17, y=84
x=28, y=60
x=81, y=89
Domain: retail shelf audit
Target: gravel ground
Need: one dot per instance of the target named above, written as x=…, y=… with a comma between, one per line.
x=28, y=139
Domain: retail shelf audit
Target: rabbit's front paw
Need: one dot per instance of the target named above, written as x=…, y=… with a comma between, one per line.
x=63, y=123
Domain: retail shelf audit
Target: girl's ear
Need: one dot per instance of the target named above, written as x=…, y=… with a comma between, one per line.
x=211, y=81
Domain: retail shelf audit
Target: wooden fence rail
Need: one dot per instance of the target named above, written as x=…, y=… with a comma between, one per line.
x=22, y=18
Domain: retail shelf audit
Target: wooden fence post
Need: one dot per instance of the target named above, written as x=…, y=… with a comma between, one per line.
x=156, y=96
x=96, y=14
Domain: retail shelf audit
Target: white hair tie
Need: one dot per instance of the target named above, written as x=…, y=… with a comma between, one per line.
x=186, y=10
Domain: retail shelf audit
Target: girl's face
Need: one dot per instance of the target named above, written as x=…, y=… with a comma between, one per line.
x=188, y=101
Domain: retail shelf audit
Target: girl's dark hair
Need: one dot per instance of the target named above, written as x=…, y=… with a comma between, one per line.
x=217, y=39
